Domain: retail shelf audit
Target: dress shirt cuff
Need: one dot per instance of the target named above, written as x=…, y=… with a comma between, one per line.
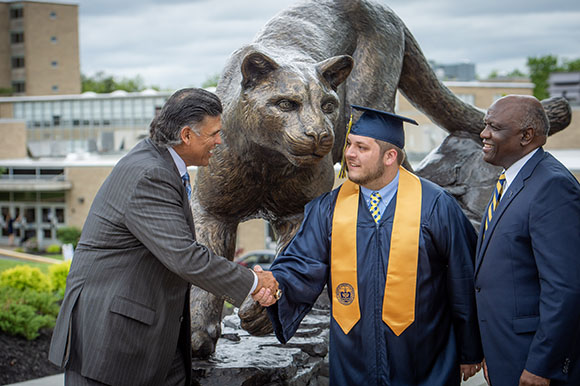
x=255, y=283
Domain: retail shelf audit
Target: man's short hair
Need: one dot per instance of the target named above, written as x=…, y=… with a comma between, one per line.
x=186, y=107
x=384, y=146
x=536, y=118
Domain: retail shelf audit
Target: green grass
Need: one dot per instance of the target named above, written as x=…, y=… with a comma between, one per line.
x=6, y=264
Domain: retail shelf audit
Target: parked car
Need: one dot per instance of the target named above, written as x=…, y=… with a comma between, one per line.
x=262, y=257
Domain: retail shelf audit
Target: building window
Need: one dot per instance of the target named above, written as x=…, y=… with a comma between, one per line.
x=16, y=13
x=467, y=98
x=53, y=15
x=54, y=64
x=53, y=39
x=17, y=37
x=17, y=62
x=18, y=86
x=55, y=88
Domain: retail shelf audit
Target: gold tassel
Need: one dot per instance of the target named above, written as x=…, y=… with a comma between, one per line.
x=342, y=172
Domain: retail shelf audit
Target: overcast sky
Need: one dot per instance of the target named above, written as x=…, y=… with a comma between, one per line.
x=179, y=43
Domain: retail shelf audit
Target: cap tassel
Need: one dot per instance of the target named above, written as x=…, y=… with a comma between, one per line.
x=342, y=173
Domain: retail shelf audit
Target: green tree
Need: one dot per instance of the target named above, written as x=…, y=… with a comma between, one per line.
x=103, y=83
x=540, y=70
x=570, y=65
x=212, y=81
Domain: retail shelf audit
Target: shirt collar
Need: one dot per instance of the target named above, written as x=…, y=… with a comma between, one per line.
x=387, y=192
x=512, y=172
x=179, y=162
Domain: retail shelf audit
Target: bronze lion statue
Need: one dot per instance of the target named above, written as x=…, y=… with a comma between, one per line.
x=287, y=98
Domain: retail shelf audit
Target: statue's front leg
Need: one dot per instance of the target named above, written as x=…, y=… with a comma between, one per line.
x=253, y=316
x=206, y=309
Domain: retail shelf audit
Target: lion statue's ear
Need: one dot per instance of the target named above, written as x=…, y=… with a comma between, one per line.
x=335, y=70
x=255, y=67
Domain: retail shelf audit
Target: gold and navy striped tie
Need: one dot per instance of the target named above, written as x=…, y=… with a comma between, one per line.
x=495, y=199
x=375, y=212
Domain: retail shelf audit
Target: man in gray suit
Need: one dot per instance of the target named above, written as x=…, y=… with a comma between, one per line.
x=124, y=319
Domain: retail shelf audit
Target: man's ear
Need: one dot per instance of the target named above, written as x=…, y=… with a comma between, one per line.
x=185, y=134
x=527, y=136
x=390, y=157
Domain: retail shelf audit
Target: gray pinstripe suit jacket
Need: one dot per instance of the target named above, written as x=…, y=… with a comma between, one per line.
x=126, y=306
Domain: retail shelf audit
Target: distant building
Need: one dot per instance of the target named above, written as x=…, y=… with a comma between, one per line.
x=39, y=48
x=58, y=125
x=463, y=72
x=565, y=84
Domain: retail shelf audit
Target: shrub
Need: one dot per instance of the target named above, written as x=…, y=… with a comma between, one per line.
x=25, y=312
x=57, y=274
x=53, y=249
x=25, y=277
x=69, y=235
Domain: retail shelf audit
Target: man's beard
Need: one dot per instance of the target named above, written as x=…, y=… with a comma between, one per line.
x=373, y=174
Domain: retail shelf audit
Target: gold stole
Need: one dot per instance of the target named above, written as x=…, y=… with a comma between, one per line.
x=400, y=287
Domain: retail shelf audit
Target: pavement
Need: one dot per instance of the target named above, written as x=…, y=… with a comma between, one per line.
x=58, y=380
x=53, y=380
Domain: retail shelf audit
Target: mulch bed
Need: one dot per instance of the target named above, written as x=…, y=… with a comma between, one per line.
x=22, y=360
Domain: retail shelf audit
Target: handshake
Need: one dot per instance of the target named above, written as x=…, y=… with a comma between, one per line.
x=267, y=291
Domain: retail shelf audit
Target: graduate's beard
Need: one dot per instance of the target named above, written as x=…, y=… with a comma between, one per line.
x=373, y=174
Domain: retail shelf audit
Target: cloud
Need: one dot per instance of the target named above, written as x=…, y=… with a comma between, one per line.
x=177, y=43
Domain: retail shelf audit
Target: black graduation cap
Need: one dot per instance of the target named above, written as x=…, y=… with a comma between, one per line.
x=381, y=125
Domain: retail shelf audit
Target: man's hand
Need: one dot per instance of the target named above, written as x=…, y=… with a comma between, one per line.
x=468, y=371
x=486, y=376
x=267, y=289
x=529, y=379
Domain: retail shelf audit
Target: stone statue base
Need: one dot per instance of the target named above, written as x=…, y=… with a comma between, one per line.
x=243, y=359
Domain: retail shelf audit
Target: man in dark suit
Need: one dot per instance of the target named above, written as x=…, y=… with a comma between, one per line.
x=124, y=319
x=527, y=273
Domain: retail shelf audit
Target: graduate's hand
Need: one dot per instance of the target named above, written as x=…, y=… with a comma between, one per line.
x=469, y=370
x=529, y=379
x=485, y=375
x=266, y=292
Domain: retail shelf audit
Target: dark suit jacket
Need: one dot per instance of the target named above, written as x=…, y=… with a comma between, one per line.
x=126, y=306
x=527, y=277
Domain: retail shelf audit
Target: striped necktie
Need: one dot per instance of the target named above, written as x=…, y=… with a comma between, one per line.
x=185, y=179
x=495, y=199
x=375, y=212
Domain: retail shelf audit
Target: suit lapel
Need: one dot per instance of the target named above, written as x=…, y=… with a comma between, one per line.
x=515, y=187
x=167, y=160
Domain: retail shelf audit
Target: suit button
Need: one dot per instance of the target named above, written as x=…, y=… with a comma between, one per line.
x=181, y=319
x=477, y=289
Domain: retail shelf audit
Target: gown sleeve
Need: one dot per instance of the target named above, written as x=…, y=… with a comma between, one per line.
x=456, y=239
x=302, y=269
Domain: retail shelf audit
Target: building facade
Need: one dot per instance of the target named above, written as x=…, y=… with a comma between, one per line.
x=39, y=48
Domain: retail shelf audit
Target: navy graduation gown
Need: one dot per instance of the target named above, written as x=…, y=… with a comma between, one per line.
x=444, y=333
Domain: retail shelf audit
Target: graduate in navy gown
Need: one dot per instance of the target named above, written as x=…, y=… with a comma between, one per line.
x=398, y=267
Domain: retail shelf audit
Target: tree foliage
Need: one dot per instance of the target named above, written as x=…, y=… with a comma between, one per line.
x=540, y=70
x=212, y=81
x=103, y=83
x=541, y=67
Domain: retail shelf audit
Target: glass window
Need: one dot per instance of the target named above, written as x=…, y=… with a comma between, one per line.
x=17, y=37
x=16, y=13
x=55, y=88
x=18, y=86
x=17, y=62
x=59, y=212
x=53, y=15
x=53, y=39
x=467, y=98
x=25, y=196
x=18, y=110
x=54, y=63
